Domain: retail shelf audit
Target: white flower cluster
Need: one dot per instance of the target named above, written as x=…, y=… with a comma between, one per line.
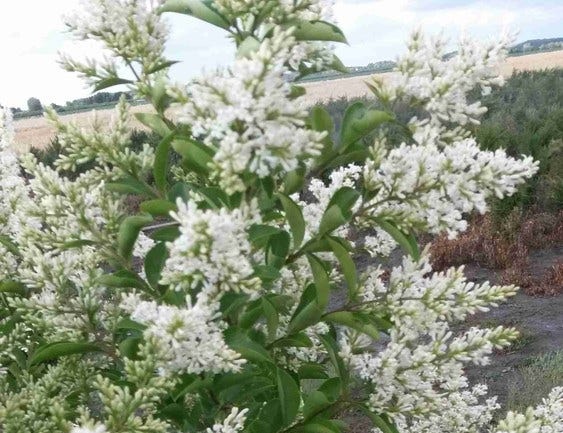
x=130, y=28
x=189, y=339
x=246, y=115
x=545, y=418
x=440, y=82
x=429, y=188
x=423, y=359
x=459, y=412
x=212, y=252
x=233, y=423
x=249, y=17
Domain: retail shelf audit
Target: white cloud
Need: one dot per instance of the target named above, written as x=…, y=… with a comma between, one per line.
x=31, y=35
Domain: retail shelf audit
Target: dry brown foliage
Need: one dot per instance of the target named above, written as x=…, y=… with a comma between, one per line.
x=506, y=247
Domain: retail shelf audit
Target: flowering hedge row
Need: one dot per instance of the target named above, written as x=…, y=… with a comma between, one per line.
x=232, y=300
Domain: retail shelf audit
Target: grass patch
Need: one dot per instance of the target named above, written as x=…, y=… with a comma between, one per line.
x=537, y=378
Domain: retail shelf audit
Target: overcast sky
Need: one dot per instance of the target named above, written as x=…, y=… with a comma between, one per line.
x=31, y=34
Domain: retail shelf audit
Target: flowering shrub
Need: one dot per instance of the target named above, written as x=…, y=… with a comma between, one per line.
x=232, y=301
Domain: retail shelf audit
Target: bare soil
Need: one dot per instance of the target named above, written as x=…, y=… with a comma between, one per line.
x=539, y=320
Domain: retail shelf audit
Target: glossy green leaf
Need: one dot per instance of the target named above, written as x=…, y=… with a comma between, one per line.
x=128, y=233
x=294, y=181
x=154, y=122
x=110, y=82
x=130, y=185
x=247, y=348
x=167, y=234
x=332, y=349
x=322, y=282
x=296, y=340
x=277, y=250
x=359, y=121
x=331, y=220
x=196, y=156
x=315, y=403
x=353, y=320
x=160, y=167
x=312, y=371
x=347, y=265
x=294, y=218
x=130, y=347
x=258, y=234
x=308, y=316
x=202, y=10
x=318, y=31
x=157, y=207
x=154, y=263
x=51, y=351
x=272, y=318
x=289, y=396
x=406, y=241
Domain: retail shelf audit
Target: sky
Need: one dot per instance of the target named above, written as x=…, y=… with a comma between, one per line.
x=32, y=34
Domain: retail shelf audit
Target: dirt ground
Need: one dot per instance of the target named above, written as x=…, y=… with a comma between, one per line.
x=539, y=319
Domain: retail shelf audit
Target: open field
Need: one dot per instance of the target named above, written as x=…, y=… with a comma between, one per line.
x=36, y=132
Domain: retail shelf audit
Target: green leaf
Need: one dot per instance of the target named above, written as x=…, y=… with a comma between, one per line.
x=10, y=286
x=128, y=324
x=315, y=403
x=322, y=282
x=320, y=426
x=380, y=421
x=154, y=122
x=196, y=156
x=353, y=320
x=348, y=267
x=308, y=316
x=130, y=185
x=9, y=245
x=248, y=46
x=294, y=218
x=56, y=350
x=278, y=247
x=272, y=318
x=154, y=263
x=312, y=371
x=120, y=280
x=248, y=349
x=160, y=167
x=406, y=241
x=259, y=234
x=296, y=91
x=332, y=349
x=161, y=66
x=331, y=220
x=359, y=121
x=344, y=198
x=294, y=181
x=128, y=233
x=166, y=234
x=296, y=340
x=320, y=120
x=318, y=31
x=202, y=10
x=266, y=273
x=130, y=347
x=157, y=207
x=331, y=388
x=289, y=396
x=110, y=82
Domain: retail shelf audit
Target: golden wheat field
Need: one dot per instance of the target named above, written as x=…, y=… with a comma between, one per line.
x=36, y=132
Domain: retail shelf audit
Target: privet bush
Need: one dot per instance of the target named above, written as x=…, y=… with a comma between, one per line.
x=232, y=302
